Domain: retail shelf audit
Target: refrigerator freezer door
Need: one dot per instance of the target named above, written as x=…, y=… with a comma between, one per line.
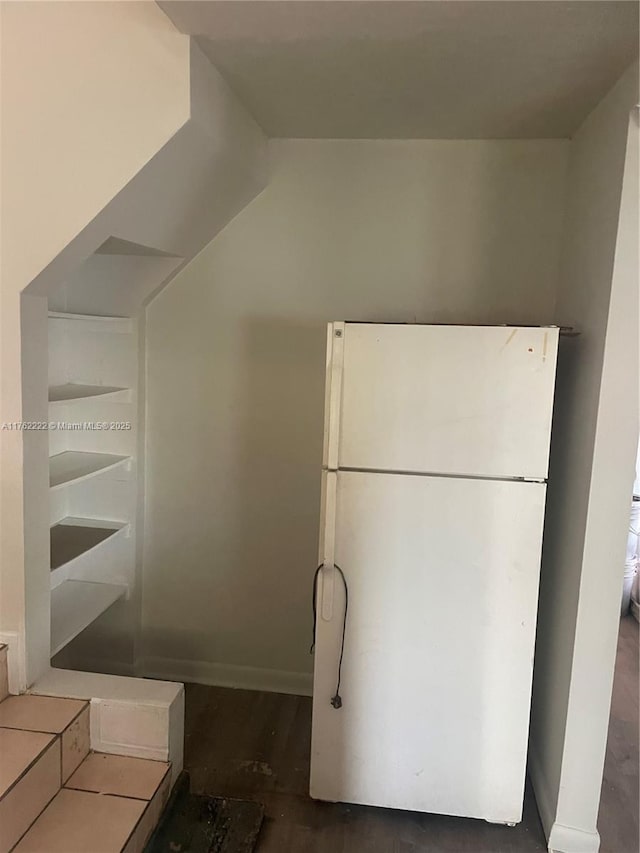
x=442, y=576
x=467, y=400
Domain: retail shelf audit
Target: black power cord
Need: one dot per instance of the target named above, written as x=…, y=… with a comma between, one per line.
x=336, y=700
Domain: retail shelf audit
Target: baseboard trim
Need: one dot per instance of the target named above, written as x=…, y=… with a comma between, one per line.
x=227, y=675
x=568, y=839
x=560, y=838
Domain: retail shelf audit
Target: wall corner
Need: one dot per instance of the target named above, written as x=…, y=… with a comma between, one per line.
x=568, y=839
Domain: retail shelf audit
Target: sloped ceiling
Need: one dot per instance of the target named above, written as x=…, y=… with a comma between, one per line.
x=183, y=196
x=468, y=69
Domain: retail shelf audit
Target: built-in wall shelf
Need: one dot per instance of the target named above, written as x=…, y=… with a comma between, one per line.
x=71, y=466
x=93, y=375
x=125, y=248
x=72, y=537
x=75, y=605
x=96, y=322
x=72, y=392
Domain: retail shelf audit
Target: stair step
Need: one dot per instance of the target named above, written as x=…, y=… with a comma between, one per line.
x=19, y=750
x=29, y=778
x=101, y=773
x=68, y=718
x=39, y=713
x=43, y=740
x=107, y=803
x=111, y=804
x=129, y=716
x=81, y=821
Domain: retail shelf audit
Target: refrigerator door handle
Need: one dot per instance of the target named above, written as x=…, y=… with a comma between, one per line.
x=336, y=699
x=327, y=557
x=335, y=395
x=328, y=591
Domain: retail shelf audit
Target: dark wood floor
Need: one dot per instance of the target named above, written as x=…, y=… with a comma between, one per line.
x=256, y=745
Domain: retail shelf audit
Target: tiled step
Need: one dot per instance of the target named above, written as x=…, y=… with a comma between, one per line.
x=79, y=821
x=68, y=718
x=138, y=778
x=129, y=716
x=42, y=742
x=108, y=803
x=111, y=804
x=29, y=779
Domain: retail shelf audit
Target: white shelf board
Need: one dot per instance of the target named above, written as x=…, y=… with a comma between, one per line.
x=75, y=605
x=118, y=246
x=96, y=322
x=71, y=466
x=67, y=315
x=71, y=392
x=72, y=538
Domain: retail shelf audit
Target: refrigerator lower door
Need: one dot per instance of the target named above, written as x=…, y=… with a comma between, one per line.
x=442, y=578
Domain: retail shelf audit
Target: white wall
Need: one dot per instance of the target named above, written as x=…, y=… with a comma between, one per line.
x=112, y=84
x=114, y=125
x=187, y=192
x=591, y=473
x=427, y=231
x=82, y=83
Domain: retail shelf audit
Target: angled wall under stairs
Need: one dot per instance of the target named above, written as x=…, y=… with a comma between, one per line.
x=133, y=208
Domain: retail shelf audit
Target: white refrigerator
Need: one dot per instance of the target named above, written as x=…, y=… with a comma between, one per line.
x=433, y=492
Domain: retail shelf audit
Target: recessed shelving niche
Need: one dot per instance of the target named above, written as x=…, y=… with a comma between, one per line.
x=93, y=375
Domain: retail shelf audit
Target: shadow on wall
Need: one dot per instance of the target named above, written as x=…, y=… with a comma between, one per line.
x=257, y=540
x=278, y=458
x=556, y=600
